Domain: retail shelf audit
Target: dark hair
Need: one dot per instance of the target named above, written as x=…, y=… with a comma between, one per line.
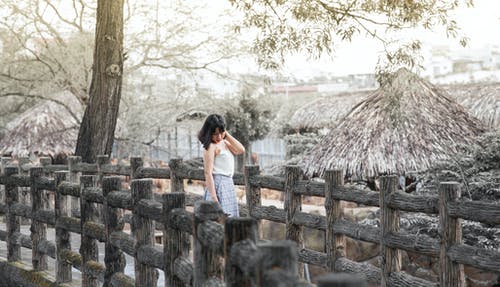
x=212, y=122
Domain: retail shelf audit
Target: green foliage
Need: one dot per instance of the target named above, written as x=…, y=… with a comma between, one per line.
x=317, y=26
x=248, y=121
x=477, y=168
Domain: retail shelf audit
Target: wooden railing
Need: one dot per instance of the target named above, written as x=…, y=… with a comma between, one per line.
x=249, y=262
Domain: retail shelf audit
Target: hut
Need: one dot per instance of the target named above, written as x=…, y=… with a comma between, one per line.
x=315, y=119
x=325, y=112
x=405, y=125
x=49, y=128
x=482, y=100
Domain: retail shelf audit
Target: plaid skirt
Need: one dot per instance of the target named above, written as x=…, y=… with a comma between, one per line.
x=226, y=194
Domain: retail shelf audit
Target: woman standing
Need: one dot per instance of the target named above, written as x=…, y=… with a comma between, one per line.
x=218, y=160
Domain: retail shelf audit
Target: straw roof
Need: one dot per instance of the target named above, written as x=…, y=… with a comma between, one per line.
x=405, y=125
x=325, y=111
x=48, y=129
x=481, y=100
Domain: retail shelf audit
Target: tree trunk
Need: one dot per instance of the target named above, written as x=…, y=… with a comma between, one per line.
x=97, y=129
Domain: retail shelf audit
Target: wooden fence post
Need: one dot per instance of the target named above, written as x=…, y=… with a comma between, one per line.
x=88, y=247
x=176, y=182
x=389, y=222
x=206, y=261
x=38, y=229
x=101, y=161
x=24, y=192
x=335, y=243
x=13, y=223
x=278, y=263
x=293, y=204
x=3, y=163
x=253, y=195
x=73, y=177
x=114, y=259
x=341, y=280
x=237, y=229
x=143, y=231
x=135, y=164
x=44, y=162
x=4, y=160
x=450, y=229
x=174, y=240
x=63, y=237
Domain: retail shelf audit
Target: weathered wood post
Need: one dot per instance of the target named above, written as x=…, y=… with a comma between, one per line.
x=44, y=162
x=3, y=163
x=88, y=246
x=73, y=161
x=450, y=231
x=206, y=260
x=63, y=237
x=176, y=182
x=114, y=259
x=236, y=230
x=24, y=192
x=13, y=223
x=101, y=161
x=278, y=263
x=135, y=164
x=335, y=243
x=143, y=231
x=389, y=222
x=253, y=194
x=174, y=245
x=293, y=204
x=38, y=229
x=341, y=280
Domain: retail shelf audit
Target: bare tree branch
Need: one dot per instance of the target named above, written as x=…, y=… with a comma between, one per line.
x=31, y=96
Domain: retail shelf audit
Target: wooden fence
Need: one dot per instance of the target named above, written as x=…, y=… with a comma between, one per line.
x=249, y=264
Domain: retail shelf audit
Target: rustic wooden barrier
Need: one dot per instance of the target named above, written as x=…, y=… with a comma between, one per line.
x=248, y=261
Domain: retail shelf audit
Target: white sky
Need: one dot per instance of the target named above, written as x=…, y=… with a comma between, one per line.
x=481, y=24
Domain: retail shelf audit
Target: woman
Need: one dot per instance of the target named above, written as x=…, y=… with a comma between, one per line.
x=218, y=160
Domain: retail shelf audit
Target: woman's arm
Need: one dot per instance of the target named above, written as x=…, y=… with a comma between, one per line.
x=208, y=165
x=234, y=145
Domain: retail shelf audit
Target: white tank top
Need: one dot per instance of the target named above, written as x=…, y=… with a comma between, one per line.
x=224, y=163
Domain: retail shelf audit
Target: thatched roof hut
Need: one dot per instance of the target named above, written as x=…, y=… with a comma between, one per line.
x=49, y=128
x=405, y=125
x=482, y=100
x=325, y=111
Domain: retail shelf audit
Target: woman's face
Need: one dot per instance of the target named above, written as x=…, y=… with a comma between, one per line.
x=217, y=136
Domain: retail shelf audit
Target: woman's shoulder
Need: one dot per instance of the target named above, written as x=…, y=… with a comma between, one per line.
x=216, y=148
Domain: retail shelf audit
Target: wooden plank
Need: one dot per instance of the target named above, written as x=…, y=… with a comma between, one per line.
x=389, y=223
x=452, y=273
x=176, y=242
x=63, y=236
x=143, y=231
x=293, y=205
x=114, y=259
x=88, y=247
x=38, y=229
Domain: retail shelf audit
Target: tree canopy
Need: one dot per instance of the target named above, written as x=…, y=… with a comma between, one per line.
x=318, y=26
x=47, y=47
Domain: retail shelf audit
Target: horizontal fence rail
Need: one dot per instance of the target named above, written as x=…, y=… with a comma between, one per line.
x=95, y=206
